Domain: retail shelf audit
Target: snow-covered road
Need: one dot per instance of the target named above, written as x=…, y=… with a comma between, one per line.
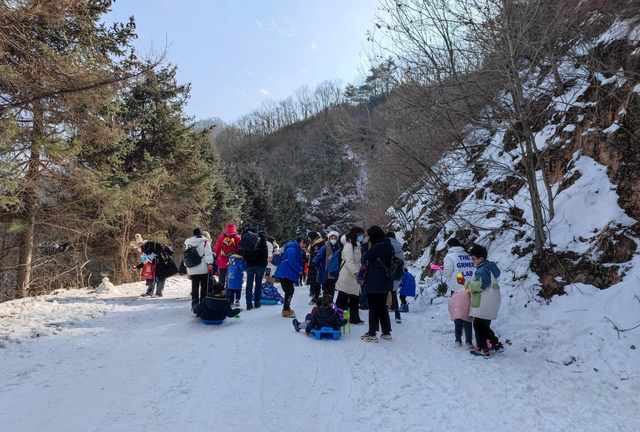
x=150, y=365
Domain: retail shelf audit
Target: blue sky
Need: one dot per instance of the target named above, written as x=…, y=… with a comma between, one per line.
x=237, y=53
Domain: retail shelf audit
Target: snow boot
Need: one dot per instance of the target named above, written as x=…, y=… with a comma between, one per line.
x=386, y=337
x=369, y=337
x=288, y=313
x=458, y=344
x=497, y=348
x=296, y=325
x=404, y=308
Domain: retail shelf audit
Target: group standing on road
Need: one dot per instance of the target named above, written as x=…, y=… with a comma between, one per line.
x=355, y=265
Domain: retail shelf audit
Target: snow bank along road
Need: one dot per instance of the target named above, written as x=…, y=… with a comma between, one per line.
x=150, y=365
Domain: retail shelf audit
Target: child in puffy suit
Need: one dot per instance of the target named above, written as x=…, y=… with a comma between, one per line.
x=459, y=305
x=298, y=325
x=326, y=316
x=235, y=278
x=407, y=289
x=215, y=306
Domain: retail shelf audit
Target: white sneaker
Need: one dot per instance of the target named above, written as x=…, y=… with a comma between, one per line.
x=469, y=346
x=458, y=344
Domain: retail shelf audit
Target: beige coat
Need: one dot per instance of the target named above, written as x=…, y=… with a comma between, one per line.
x=351, y=261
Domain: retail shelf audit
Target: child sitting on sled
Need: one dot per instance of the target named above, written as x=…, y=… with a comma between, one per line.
x=326, y=316
x=215, y=306
x=307, y=319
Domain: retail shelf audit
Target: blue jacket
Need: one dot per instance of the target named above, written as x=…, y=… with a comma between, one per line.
x=483, y=272
x=408, y=285
x=320, y=262
x=291, y=265
x=235, y=274
x=376, y=281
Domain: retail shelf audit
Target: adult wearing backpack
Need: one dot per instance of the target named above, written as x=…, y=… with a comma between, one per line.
x=397, y=247
x=226, y=245
x=198, y=258
x=161, y=259
x=347, y=285
x=321, y=263
x=255, y=252
x=377, y=285
x=288, y=272
x=315, y=244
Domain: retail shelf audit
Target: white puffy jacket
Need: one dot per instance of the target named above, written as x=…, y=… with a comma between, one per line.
x=203, y=246
x=457, y=261
x=351, y=262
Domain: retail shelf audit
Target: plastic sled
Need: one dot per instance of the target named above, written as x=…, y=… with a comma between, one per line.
x=269, y=302
x=327, y=333
x=208, y=322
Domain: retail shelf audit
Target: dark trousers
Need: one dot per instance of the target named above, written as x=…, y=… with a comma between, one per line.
x=484, y=332
x=460, y=323
x=315, y=289
x=349, y=303
x=403, y=299
x=378, y=313
x=287, y=287
x=394, y=305
x=329, y=287
x=234, y=294
x=222, y=276
x=254, y=284
x=199, y=283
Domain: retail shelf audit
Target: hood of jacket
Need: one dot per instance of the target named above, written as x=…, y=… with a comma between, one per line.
x=333, y=233
x=295, y=245
x=456, y=250
x=216, y=304
x=253, y=227
x=490, y=265
x=231, y=230
x=195, y=241
x=325, y=312
x=343, y=239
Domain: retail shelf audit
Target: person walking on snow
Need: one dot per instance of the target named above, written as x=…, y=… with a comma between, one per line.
x=347, y=285
x=199, y=274
x=160, y=257
x=377, y=285
x=289, y=271
x=485, y=301
x=321, y=263
x=456, y=261
x=226, y=245
x=255, y=252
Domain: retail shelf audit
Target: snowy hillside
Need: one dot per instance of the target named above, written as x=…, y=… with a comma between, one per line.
x=576, y=306
x=77, y=361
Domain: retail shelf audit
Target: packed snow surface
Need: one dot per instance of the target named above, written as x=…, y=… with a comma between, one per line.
x=77, y=361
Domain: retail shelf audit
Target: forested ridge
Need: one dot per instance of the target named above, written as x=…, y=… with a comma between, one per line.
x=95, y=145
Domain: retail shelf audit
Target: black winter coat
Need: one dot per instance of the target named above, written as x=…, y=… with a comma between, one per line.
x=325, y=317
x=213, y=308
x=376, y=281
x=314, y=248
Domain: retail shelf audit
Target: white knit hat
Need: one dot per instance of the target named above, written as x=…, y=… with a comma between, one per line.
x=333, y=233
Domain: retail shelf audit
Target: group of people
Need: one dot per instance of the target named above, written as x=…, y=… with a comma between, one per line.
x=358, y=265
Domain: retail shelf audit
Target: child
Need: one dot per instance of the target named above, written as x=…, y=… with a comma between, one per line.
x=485, y=301
x=326, y=316
x=235, y=277
x=407, y=289
x=297, y=325
x=215, y=306
x=459, y=304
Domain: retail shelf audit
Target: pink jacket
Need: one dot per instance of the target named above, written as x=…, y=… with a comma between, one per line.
x=459, y=305
x=223, y=262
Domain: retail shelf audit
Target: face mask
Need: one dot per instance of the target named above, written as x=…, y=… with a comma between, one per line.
x=360, y=239
x=333, y=242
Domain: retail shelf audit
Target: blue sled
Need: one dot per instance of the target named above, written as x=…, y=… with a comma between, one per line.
x=208, y=322
x=269, y=302
x=327, y=333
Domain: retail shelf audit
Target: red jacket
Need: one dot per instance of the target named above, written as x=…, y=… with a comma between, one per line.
x=223, y=262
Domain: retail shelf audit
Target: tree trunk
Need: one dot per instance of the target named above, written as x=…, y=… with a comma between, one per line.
x=30, y=205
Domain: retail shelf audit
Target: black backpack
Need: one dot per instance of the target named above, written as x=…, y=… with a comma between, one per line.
x=191, y=256
x=395, y=271
x=250, y=245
